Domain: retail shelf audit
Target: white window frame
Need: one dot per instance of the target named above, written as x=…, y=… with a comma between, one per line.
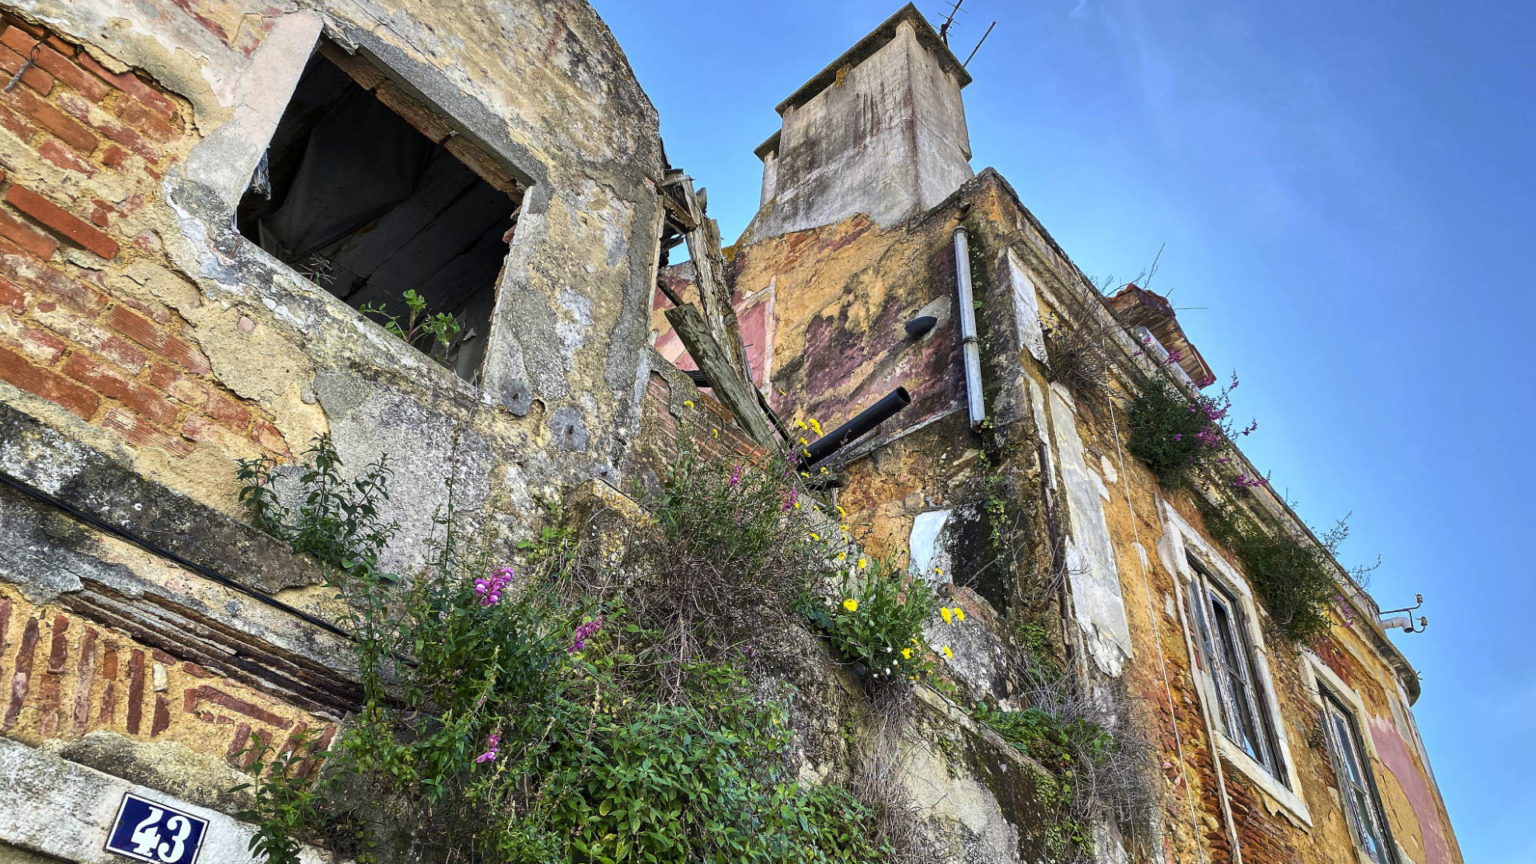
x=1325, y=687
x=1186, y=544
x=1243, y=707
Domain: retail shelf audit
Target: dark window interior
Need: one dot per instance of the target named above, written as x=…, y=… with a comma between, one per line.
x=355, y=198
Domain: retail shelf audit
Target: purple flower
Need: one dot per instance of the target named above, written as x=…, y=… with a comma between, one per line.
x=489, y=590
x=1178, y=436
x=735, y=476
x=1173, y=356
x=583, y=633
x=794, y=495
x=492, y=748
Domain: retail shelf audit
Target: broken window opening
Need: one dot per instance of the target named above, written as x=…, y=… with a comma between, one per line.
x=367, y=193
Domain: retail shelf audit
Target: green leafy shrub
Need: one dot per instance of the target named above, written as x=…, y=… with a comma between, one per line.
x=1294, y=578
x=337, y=520
x=1174, y=437
x=1055, y=743
x=282, y=799
x=507, y=719
x=733, y=554
x=878, y=620
x=1184, y=440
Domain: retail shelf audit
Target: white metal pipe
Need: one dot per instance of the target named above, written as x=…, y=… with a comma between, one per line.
x=968, y=344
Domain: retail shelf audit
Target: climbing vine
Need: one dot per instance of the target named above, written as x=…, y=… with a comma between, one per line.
x=1295, y=578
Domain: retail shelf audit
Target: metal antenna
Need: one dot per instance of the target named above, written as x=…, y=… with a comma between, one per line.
x=944, y=28
x=978, y=46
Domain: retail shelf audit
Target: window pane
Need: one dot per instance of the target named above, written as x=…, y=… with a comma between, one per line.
x=1248, y=735
x=1354, y=783
x=1215, y=665
x=1347, y=749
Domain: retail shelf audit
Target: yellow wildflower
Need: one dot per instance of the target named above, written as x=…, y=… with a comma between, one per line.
x=687, y=403
x=949, y=617
x=851, y=605
x=799, y=424
x=715, y=432
x=906, y=653
x=823, y=469
x=814, y=537
x=803, y=441
x=948, y=653
x=842, y=555
x=938, y=571
x=863, y=562
x=805, y=475
x=841, y=512
x=815, y=426
x=959, y=614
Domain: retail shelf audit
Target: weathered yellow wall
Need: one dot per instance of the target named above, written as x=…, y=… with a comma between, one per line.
x=859, y=284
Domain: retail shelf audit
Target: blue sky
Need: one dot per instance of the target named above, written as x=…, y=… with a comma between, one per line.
x=1344, y=191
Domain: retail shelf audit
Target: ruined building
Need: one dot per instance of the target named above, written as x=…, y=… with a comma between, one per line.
x=198, y=197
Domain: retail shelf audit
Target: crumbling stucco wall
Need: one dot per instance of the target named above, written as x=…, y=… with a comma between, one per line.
x=881, y=131
x=145, y=346
x=1079, y=516
x=183, y=304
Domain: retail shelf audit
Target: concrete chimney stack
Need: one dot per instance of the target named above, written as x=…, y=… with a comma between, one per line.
x=880, y=131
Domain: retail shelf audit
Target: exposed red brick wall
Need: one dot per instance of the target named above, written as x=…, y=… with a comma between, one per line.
x=128, y=365
x=711, y=426
x=65, y=676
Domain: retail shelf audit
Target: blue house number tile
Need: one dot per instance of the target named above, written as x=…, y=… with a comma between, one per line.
x=146, y=831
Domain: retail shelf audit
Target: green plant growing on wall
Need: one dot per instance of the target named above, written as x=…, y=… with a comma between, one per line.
x=337, y=520
x=878, y=618
x=282, y=799
x=735, y=550
x=508, y=716
x=1053, y=742
x=1294, y=578
x=1075, y=334
x=1093, y=755
x=430, y=332
x=1184, y=439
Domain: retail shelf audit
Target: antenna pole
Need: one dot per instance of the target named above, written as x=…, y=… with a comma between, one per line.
x=978, y=44
x=944, y=28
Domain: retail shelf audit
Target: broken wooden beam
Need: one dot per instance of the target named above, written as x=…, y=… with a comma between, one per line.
x=725, y=377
